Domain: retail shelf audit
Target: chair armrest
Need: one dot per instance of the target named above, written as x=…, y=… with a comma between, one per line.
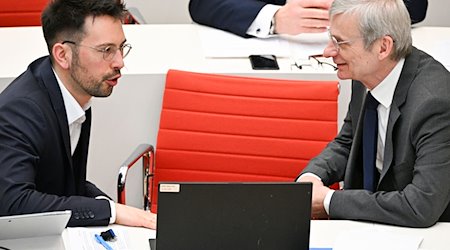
x=146, y=152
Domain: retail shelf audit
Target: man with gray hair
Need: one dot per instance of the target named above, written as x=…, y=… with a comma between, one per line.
x=392, y=152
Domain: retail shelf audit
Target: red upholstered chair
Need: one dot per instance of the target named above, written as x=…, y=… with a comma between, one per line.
x=21, y=13
x=229, y=128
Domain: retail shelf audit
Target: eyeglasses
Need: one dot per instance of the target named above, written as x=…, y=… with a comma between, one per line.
x=335, y=42
x=109, y=51
x=314, y=62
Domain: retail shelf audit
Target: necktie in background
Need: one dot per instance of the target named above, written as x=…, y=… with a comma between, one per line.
x=370, y=136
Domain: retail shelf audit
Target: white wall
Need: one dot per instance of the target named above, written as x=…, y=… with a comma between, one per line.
x=162, y=11
x=437, y=13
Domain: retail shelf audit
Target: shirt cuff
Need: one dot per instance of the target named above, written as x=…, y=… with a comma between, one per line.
x=308, y=174
x=260, y=27
x=327, y=200
x=112, y=207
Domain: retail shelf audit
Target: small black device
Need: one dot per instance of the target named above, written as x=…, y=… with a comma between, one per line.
x=264, y=62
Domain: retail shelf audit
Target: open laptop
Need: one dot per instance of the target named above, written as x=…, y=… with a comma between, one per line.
x=219, y=216
x=33, y=225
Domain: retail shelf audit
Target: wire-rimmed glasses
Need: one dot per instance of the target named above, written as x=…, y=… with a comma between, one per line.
x=337, y=44
x=108, y=51
x=315, y=62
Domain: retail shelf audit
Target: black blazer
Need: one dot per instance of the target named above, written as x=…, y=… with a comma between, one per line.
x=37, y=171
x=237, y=15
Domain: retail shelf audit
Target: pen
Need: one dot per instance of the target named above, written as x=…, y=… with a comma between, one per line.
x=101, y=241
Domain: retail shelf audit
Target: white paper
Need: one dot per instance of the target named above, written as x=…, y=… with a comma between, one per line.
x=83, y=238
x=222, y=44
x=304, y=45
x=375, y=239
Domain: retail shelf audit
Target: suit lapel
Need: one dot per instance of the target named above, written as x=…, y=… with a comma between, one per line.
x=401, y=91
x=354, y=174
x=389, y=148
x=79, y=158
x=45, y=74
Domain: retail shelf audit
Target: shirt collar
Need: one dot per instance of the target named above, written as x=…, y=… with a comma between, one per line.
x=74, y=111
x=384, y=92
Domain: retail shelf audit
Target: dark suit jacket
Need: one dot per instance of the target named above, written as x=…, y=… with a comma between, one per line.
x=414, y=185
x=236, y=16
x=37, y=171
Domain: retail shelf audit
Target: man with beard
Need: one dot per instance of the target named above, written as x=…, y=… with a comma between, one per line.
x=45, y=117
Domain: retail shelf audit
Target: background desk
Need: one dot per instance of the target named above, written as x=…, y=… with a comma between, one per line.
x=130, y=116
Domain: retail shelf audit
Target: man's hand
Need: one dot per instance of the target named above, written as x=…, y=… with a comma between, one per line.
x=302, y=16
x=131, y=216
x=318, y=195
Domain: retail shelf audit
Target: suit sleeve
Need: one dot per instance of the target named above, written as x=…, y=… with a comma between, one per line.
x=417, y=9
x=330, y=165
x=23, y=125
x=91, y=190
x=234, y=16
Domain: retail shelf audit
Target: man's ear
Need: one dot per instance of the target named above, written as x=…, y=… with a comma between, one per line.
x=62, y=55
x=386, y=47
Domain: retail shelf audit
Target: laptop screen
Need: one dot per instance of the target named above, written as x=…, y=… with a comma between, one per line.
x=33, y=225
x=218, y=216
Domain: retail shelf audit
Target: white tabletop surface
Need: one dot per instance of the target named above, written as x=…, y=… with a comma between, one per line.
x=324, y=234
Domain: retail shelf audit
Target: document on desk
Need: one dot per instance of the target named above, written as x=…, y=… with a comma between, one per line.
x=221, y=44
x=82, y=238
x=375, y=239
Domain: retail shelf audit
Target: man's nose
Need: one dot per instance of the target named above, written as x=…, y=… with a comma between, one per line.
x=330, y=50
x=117, y=61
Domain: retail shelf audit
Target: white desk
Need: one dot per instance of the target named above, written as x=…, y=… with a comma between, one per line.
x=324, y=233
x=131, y=115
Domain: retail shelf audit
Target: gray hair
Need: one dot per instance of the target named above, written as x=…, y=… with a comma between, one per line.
x=378, y=18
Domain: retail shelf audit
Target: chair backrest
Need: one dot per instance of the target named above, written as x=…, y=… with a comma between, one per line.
x=228, y=128
x=21, y=13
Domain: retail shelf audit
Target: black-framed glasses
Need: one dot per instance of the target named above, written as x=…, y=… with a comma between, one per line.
x=314, y=62
x=108, y=51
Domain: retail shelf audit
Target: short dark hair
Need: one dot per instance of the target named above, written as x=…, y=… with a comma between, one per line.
x=64, y=19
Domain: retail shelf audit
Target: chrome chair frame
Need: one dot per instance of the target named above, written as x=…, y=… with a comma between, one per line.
x=147, y=153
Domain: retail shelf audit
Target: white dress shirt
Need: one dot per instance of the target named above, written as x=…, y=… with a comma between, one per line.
x=260, y=27
x=383, y=93
x=76, y=115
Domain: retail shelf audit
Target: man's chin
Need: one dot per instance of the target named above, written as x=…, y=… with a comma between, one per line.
x=105, y=93
x=343, y=75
